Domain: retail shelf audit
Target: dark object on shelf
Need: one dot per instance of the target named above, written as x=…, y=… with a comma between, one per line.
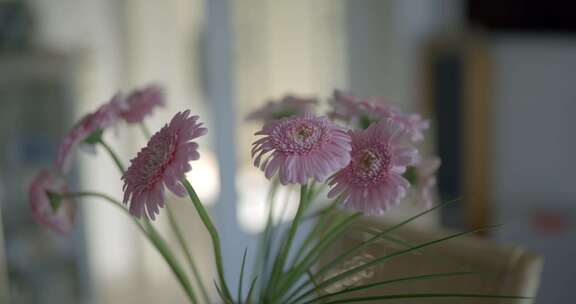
x=457, y=86
x=529, y=16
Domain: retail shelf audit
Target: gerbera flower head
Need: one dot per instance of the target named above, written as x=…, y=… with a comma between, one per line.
x=359, y=112
x=373, y=181
x=163, y=162
x=141, y=102
x=57, y=214
x=289, y=105
x=301, y=147
x=362, y=113
x=87, y=130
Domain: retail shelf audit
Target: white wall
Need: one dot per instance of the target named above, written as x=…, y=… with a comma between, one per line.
x=535, y=108
x=534, y=148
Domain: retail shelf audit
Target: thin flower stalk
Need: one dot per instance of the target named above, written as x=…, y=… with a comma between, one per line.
x=213, y=234
x=153, y=236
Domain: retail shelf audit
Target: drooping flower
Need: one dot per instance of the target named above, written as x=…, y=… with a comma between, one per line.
x=90, y=125
x=289, y=105
x=163, y=162
x=56, y=214
x=301, y=147
x=141, y=102
x=363, y=112
x=425, y=171
x=373, y=181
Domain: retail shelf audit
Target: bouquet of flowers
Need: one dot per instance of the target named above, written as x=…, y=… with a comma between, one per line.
x=362, y=156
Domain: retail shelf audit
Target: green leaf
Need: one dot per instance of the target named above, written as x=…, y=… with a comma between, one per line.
x=375, y=238
x=410, y=175
x=265, y=241
x=320, y=224
x=365, y=122
x=249, y=297
x=94, y=137
x=219, y=290
x=387, y=282
x=280, y=261
x=166, y=253
x=381, y=259
x=333, y=234
x=364, y=244
x=427, y=296
x=55, y=200
x=241, y=275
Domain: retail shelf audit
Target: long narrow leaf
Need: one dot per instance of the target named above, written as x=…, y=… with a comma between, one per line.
x=251, y=290
x=182, y=242
x=376, y=261
x=278, y=267
x=366, y=243
x=406, y=244
x=427, y=296
x=241, y=275
x=219, y=290
x=317, y=251
x=176, y=268
x=320, y=224
x=370, y=241
x=387, y=282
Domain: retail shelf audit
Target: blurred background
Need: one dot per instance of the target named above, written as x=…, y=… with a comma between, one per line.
x=496, y=78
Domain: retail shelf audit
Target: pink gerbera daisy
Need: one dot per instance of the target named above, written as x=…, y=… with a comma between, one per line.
x=58, y=218
x=412, y=123
x=106, y=116
x=300, y=148
x=373, y=181
x=163, y=162
x=363, y=112
x=142, y=102
x=289, y=105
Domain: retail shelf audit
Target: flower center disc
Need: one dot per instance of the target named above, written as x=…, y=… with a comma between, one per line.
x=371, y=164
x=161, y=152
x=300, y=138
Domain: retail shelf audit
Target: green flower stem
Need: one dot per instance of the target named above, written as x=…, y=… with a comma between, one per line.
x=113, y=154
x=213, y=234
x=152, y=236
x=265, y=241
x=181, y=240
x=179, y=235
x=279, y=266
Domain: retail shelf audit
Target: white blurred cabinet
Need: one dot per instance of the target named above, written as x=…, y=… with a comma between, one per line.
x=35, y=111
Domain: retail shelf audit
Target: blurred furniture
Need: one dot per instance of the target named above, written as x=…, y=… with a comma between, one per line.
x=456, y=93
x=506, y=270
x=35, y=109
